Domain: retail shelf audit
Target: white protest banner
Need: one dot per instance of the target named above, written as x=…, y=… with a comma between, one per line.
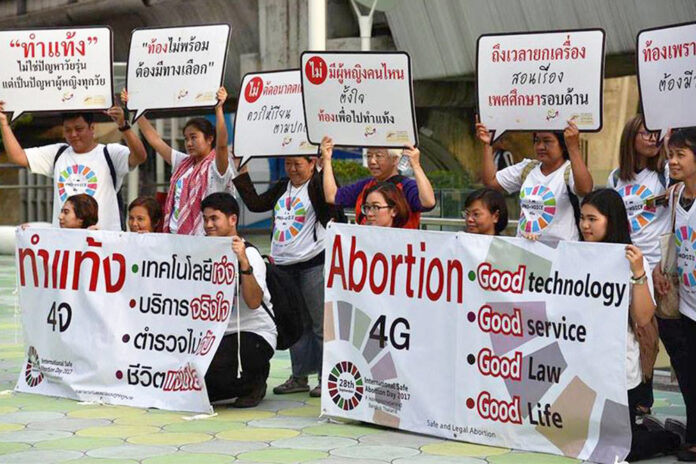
x=540, y=80
x=491, y=340
x=359, y=98
x=666, y=64
x=131, y=319
x=176, y=67
x=270, y=119
x=56, y=70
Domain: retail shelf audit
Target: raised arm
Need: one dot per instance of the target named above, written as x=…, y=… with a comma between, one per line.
x=330, y=187
x=222, y=159
x=250, y=288
x=581, y=175
x=151, y=135
x=138, y=155
x=14, y=150
x=425, y=189
x=642, y=305
x=488, y=169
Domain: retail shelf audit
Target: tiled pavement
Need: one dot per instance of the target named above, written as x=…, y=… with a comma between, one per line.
x=283, y=429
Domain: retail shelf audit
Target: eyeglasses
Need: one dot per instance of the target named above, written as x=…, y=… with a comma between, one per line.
x=647, y=136
x=466, y=214
x=378, y=156
x=372, y=208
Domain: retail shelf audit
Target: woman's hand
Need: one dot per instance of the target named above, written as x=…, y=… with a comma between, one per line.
x=571, y=134
x=124, y=96
x=3, y=116
x=326, y=148
x=221, y=96
x=482, y=132
x=661, y=282
x=532, y=237
x=635, y=259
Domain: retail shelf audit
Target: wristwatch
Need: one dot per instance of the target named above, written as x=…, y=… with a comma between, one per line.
x=639, y=280
x=124, y=127
x=247, y=271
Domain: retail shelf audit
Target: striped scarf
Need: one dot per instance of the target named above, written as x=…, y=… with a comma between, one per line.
x=193, y=190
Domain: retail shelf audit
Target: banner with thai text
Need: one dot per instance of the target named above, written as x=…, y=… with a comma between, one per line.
x=176, y=67
x=56, y=70
x=490, y=340
x=540, y=80
x=270, y=119
x=359, y=99
x=123, y=318
x=666, y=64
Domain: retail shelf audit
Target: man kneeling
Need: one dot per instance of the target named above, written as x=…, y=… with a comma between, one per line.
x=253, y=327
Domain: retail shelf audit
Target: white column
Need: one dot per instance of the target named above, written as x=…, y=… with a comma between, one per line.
x=317, y=24
x=159, y=161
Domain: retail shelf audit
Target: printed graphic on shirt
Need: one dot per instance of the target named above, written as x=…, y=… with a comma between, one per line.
x=177, y=196
x=289, y=219
x=538, y=205
x=685, y=238
x=76, y=179
x=639, y=213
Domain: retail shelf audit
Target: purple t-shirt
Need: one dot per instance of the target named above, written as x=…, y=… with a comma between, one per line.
x=347, y=196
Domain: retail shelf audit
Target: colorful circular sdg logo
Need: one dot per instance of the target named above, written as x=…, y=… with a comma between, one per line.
x=346, y=387
x=76, y=179
x=640, y=214
x=685, y=239
x=289, y=219
x=32, y=373
x=538, y=208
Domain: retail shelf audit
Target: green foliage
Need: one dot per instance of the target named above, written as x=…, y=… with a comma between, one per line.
x=347, y=171
x=441, y=179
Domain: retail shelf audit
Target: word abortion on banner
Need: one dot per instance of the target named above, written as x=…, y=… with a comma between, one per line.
x=359, y=98
x=540, y=80
x=56, y=70
x=479, y=338
x=131, y=319
x=270, y=119
x=666, y=65
x=176, y=67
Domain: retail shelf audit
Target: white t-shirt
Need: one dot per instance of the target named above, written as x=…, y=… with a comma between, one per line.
x=634, y=374
x=685, y=238
x=544, y=202
x=76, y=173
x=647, y=222
x=216, y=183
x=255, y=320
x=295, y=223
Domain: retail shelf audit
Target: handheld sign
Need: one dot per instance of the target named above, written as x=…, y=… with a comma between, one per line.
x=666, y=64
x=539, y=81
x=359, y=98
x=270, y=119
x=56, y=70
x=176, y=67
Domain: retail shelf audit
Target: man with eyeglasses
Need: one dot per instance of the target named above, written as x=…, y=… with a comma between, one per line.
x=82, y=165
x=382, y=164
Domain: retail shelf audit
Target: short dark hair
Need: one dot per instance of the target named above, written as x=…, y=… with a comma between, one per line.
x=154, y=210
x=561, y=141
x=88, y=117
x=494, y=201
x=684, y=138
x=221, y=201
x=86, y=209
x=610, y=205
x=203, y=125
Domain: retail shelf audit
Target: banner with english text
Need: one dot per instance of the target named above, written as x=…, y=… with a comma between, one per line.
x=122, y=318
x=491, y=340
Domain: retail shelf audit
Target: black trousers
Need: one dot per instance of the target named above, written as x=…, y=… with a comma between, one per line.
x=673, y=337
x=221, y=378
x=688, y=382
x=646, y=443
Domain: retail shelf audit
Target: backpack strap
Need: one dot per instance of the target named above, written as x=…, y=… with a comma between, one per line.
x=110, y=163
x=266, y=258
x=114, y=180
x=58, y=153
x=527, y=169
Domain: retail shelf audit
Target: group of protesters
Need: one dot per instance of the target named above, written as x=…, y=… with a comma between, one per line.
x=201, y=201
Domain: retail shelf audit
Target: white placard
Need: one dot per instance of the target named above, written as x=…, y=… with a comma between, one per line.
x=176, y=67
x=359, y=98
x=666, y=66
x=123, y=318
x=270, y=118
x=490, y=340
x=56, y=70
x=539, y=81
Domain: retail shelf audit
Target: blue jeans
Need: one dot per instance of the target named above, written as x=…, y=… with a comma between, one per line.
x=306, y=354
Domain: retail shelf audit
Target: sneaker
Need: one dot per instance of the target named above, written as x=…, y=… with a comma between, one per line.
x=686, y=455
x=676, y=427
x=292, y=385
x=252, y=399
x=316, y=392
x=652, y=423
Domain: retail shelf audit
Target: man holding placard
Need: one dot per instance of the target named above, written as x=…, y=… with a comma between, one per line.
x=82, y=165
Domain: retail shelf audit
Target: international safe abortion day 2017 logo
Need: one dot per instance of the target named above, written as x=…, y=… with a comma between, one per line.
x=270, y=119
x=539, y=81
x=56, y=69
x=359, y=99
x=666, y=64
x=479, y=339
x=176, y=67
x=154, y=308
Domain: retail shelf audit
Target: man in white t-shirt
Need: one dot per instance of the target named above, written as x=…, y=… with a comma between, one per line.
x=83, y=165
x=251, y=333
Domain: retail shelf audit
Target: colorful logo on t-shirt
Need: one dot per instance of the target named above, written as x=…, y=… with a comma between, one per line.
x=685, y=238
x=538, y=205
x=76, y=179
x=345, y=385
x=639, y=213
x=178, y=186
x=289, y=219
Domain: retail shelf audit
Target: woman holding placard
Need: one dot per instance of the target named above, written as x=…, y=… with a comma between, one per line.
x=204, y=168
x=548, y=186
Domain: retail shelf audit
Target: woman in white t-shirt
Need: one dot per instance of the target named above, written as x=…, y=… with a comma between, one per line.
x=603, y=219
x=548, y=185
x=204, y=168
